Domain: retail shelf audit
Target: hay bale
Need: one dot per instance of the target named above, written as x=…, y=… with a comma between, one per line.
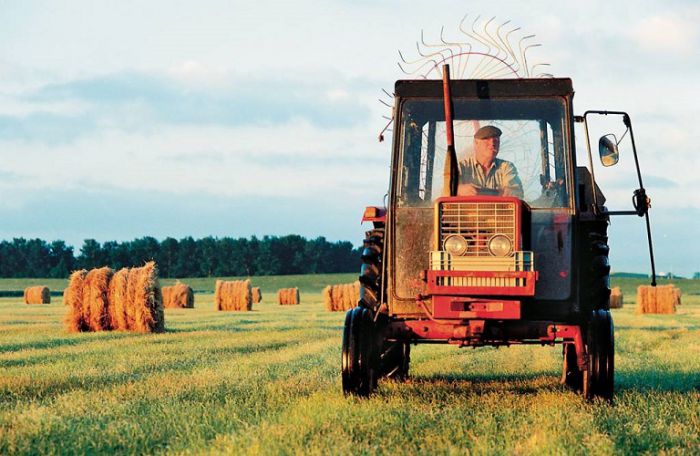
x=341, y=297
x=178, y=296
x=616, y=298
x=234, y=295
x=327, y=299
x=147, y=300
x=119, y=300
x=37, y=295
x=95, y=299
x=73, y=298
x=662, y=299
x=257, y=295
x=288, y=296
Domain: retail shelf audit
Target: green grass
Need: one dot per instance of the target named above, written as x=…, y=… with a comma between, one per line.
x=267, y=382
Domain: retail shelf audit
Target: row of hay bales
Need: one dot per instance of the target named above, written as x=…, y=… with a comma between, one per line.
x=240, y=295
x=288, y=296
x=103, y=300
x=341, y=297
x=37, y=295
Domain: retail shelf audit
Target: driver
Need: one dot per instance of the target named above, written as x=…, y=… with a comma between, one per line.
x=483, y=170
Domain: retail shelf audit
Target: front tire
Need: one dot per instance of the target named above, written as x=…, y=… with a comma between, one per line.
x=359, y=363
x=599, y=379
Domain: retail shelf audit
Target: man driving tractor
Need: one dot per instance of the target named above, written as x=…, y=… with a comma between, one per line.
x=483, y=171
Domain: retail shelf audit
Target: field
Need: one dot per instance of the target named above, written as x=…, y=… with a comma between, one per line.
x=267, y=382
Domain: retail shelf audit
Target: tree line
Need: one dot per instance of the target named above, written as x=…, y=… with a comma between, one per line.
x=187, y=257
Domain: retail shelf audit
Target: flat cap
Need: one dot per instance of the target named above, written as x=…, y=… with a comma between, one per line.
x=489, y=131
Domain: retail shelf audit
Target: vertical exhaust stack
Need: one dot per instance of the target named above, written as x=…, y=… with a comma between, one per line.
x=451, y=171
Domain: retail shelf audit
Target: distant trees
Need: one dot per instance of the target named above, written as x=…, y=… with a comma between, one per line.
x=35, y=258
x=187, y=257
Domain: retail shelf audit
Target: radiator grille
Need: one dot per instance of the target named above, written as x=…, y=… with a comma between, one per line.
x=477, y=223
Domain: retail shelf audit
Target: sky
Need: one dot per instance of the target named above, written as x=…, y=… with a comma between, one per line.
x=121, y=119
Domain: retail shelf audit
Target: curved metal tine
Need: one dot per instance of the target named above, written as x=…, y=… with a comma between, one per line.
x=463, y=70
x=384, y=130
x=442, y=48
x=390, y=95
x=539, y=65
x=387, y=117
x=510, y=49
x=525, y=57
x=413, y=62
x=385, y=103
x=459, y=55
x=522, y=55
x=481, y=40
x=402, y=69
x=440, y=52
x=487, y=36
x=504, y=44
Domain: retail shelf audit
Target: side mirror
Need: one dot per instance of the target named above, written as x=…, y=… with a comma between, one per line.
x=607, y=148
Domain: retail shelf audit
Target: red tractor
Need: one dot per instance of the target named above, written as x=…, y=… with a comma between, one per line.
x=489, y=269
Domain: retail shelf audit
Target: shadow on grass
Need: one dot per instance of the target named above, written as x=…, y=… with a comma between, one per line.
x=480, y=384
x=657, y=380
x=658, y=328
x=640, y=381
x=71, y=340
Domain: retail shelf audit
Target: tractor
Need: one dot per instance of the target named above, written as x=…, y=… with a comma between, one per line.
x=489, y=269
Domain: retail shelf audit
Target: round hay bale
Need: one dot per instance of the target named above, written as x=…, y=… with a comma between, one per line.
x=257, y=295
x=119, y=300
x=234, y=295
x=178, y=296
x=327, y=302
x=616, y=299
x=37, y=295
x=95, y=299
x=288, y=296
x=147, y=300
x=73, y=299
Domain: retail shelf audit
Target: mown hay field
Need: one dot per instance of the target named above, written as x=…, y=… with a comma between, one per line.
x=267, y=382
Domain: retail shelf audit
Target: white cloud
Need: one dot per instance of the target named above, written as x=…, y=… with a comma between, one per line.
x=295, y=159
x=666, y=33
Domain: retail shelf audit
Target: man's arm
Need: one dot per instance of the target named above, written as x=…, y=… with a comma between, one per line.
x=512, y=186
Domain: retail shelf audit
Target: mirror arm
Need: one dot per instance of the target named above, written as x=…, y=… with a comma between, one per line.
x=640, y=198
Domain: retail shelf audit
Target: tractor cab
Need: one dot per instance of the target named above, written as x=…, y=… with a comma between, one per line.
x=489, y=245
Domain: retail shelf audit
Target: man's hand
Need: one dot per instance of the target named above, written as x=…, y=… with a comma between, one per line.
x=467, y=190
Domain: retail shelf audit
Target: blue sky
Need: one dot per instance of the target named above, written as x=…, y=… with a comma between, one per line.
x=120, y=119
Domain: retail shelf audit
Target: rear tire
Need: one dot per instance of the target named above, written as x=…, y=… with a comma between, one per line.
x=596, y=271
x=371, y=270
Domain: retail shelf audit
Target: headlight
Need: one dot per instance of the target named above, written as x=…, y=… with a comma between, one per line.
x=500, y=245
x=456, y=245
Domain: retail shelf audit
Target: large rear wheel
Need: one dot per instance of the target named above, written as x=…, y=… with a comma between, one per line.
x=371, y=271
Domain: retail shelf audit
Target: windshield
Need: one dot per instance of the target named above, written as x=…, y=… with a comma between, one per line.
x=531, y=158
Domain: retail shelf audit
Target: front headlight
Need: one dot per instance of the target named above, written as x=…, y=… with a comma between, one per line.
x=500, y=245
x=456, y=245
